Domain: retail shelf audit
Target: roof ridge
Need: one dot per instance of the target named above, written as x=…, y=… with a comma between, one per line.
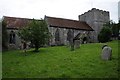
x=67, y=23
x=15, y=17
x=64, y=19
x=20, y=18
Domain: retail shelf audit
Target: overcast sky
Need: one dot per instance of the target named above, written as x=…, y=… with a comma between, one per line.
x=56, y=8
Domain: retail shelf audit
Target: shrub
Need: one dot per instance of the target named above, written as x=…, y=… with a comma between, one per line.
x=36, y=32
x=105, y=34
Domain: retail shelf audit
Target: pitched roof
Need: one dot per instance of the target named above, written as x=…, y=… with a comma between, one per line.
x=15, y=23
x=67, y=23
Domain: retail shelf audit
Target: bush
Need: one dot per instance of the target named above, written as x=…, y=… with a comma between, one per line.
x=105, y=34
x=36, y=32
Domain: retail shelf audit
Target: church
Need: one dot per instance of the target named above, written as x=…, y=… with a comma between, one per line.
x=62, y=30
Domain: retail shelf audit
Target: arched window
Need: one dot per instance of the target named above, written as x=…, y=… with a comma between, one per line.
x=12, y=37
x=57, y=35
x=70, y=35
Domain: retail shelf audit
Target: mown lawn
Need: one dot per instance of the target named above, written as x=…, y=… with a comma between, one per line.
x=60, y=62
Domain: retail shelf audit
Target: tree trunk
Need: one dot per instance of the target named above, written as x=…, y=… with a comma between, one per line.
x=36, y=48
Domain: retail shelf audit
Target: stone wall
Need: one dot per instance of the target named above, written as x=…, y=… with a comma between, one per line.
x=63, y=34
x=95, y=18
x=17, y=38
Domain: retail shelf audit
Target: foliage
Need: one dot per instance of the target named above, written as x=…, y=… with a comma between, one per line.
x=60, y=62
x=109, y=29
x=115, y=30
x=114, y=27
x=36, y=32
x=4, y=36
x=105, y=34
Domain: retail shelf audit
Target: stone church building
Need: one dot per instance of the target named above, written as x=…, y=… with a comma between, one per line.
x=62, y=30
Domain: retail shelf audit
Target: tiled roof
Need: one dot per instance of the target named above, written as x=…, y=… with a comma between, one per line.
x=15, y=23
x=67, y=23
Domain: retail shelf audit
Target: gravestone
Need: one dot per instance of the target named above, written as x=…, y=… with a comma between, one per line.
x=67, y=44
x=77, y=44
x=106, y=53
x=12, y=46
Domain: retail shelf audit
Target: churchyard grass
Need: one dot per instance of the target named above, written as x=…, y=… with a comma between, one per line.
x=60, y=62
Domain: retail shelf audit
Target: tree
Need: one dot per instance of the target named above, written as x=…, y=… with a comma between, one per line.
x=4, y=36
x=36, y=32
x=114, y=27
x=115, y=30
x=105, y=34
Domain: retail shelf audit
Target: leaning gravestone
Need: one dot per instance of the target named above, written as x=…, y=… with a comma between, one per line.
x=106, y=53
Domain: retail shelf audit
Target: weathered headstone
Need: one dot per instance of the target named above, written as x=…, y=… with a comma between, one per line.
x=67, y=44
x=106, y=53
x=12, y=46
x=72, y=45
x=77, y=44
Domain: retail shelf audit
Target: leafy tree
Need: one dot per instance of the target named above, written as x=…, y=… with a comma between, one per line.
x=4, y=36
x=114, y=27
x=115, y=30
x=36, y=32
x=105, y=34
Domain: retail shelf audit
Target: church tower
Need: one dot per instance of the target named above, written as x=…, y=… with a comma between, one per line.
x=95, y=18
